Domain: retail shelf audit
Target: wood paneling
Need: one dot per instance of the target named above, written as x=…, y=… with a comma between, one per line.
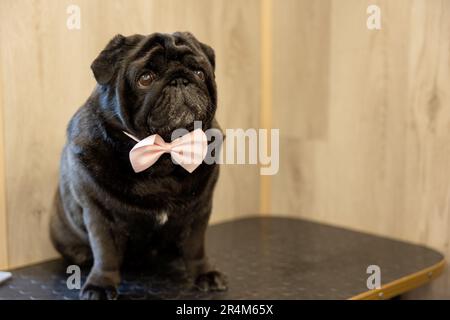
x=265, y=121
x=363, y=115
x=45, y=77
x=366, y=135
x=3, y=221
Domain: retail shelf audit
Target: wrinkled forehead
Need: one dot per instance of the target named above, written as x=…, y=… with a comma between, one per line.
x=173, y=46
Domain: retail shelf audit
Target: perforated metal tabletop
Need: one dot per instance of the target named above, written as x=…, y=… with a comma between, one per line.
x=265, y=258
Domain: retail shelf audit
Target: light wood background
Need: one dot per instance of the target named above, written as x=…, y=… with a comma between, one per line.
x=363, y=115
x=365, y=118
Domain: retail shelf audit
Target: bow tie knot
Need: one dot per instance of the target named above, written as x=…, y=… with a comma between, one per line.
x=187, y=151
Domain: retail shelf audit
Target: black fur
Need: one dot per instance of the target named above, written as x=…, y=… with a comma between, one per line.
x=107, y=215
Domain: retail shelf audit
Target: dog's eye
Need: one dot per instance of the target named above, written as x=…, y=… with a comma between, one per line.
x=146, y=79
x=200, y=74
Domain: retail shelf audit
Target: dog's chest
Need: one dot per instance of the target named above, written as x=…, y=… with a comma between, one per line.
x=161, y=217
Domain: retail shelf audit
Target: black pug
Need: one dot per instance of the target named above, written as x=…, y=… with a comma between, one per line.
x=106, y=214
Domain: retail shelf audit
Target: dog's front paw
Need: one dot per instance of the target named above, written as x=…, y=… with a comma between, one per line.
x=93, y=292
x=100, y=285
x=211, y=281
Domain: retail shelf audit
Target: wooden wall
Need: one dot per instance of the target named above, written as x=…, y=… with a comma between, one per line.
x=364, y=118
x=45, y=76
x=363, y=115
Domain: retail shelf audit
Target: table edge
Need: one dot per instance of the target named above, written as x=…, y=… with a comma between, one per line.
x=404, y=284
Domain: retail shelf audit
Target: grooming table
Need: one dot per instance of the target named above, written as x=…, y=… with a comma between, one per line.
x=266, y=258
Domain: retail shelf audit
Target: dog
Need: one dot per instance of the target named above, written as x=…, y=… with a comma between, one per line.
x=107, y=215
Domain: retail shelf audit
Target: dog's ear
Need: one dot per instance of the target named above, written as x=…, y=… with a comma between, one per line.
x=104, y=66
x=209, y=52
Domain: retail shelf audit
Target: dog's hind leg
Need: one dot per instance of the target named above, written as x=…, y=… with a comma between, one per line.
x=66, y=241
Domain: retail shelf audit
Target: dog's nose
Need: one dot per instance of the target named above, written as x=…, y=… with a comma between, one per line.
x=179, y=81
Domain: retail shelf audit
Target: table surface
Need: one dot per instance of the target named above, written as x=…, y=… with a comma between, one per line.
x=265, y=258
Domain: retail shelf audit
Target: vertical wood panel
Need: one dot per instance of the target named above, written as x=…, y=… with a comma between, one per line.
x=428, y=135
x=300, y=100
x=378, y=157
x=266, y=94
x=3, y=217
x=300, y=56
x=45, y=77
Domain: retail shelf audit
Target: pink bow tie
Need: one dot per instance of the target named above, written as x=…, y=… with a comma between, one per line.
x=188, y=151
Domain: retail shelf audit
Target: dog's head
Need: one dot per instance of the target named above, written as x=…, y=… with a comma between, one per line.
x=157, y=83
